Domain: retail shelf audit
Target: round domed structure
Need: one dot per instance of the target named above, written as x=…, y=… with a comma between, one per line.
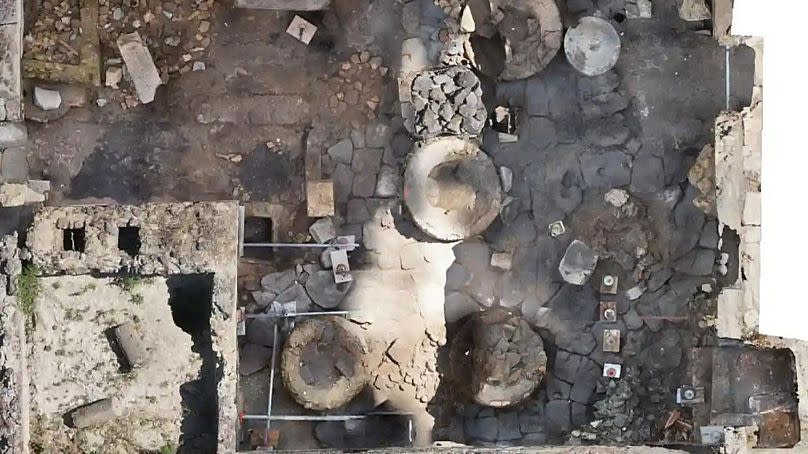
x=451, y=188
x=503, y=356
x=592, y=46
x=323, y=363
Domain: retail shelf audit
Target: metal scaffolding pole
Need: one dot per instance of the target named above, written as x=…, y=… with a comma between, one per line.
x=297, y=314
x=271, y=381
x=727, y=75
x=304, y=245
x=269, y=418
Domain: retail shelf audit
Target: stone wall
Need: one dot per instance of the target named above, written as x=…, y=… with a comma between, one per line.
x=11, y=24
x=13, y=374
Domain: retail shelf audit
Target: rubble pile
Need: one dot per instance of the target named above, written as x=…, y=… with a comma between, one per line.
x=54, y=33
x=618, y=416
x=177, y=34
x=402, y=368
x=357, y=85
x=448, y=102
x=508, y=360
x=451, y=8
x=302, y=287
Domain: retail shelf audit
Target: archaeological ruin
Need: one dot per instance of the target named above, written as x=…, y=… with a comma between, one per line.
x=393, y=226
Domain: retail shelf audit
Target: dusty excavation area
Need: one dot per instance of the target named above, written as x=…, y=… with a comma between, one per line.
x=491, y=223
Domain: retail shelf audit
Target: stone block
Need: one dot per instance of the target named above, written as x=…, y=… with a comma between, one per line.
x=253, y=358
x=694, y=10
x=18, y=194
x=502, y=260
x=319, y=198
x=14, y=164
x=578, y=263
x=388, y=182
x=364, y=185
x=323, y=230
x=483, y=429
x=47, y=99
x=341, y=151
x=751, y=208
x=606, y=170
x=566, y=365
x=140, y=65
x=13, y=135
x=357, y=211
x=508, y=427
x=377, y=135
x=557, y=415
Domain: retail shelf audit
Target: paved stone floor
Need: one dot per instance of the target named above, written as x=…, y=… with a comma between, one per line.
x=636, y=128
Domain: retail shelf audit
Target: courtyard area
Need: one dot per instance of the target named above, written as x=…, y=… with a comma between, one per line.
x=532, y=254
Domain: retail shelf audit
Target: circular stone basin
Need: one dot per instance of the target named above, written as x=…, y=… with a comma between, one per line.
x=503, y=356
x=593, y=46
x=452, y=189
x=323, y=363
x=532, y=33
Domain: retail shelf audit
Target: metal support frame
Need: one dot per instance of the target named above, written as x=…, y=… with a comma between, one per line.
x=269, y=417
x=298, y=314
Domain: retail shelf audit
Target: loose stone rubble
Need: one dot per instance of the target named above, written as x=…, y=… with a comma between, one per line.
x=447, y=102
x=358, y=85
x=507, y=359
x=54, y=35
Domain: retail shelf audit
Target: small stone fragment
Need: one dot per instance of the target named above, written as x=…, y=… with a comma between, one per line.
x=617, y=197
x=578, y=263
x=47, y=99
x=113, y=76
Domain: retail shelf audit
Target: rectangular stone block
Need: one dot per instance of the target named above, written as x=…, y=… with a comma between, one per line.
x=140, y=65
x=319, y=198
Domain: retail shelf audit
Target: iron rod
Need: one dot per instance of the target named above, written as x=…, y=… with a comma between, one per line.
x=727, y=76
x=303, y=245
x=298, y=314
x=320, y=417
x=271, y=381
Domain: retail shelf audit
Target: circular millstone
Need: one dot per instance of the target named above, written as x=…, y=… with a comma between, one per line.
x=452, y=189
x=323, y=363
x=507, y=358
x=592, y=46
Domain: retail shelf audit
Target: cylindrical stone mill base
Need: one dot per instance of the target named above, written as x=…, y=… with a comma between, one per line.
x=323, y=364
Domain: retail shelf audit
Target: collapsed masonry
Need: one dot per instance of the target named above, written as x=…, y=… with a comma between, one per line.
x=131, y=329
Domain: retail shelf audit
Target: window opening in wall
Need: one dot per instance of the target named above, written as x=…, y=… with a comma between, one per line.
x=129, y=240
x=73, y=239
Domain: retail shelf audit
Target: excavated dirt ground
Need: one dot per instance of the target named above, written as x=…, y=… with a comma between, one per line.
x=75, y=364
x=239, y=129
